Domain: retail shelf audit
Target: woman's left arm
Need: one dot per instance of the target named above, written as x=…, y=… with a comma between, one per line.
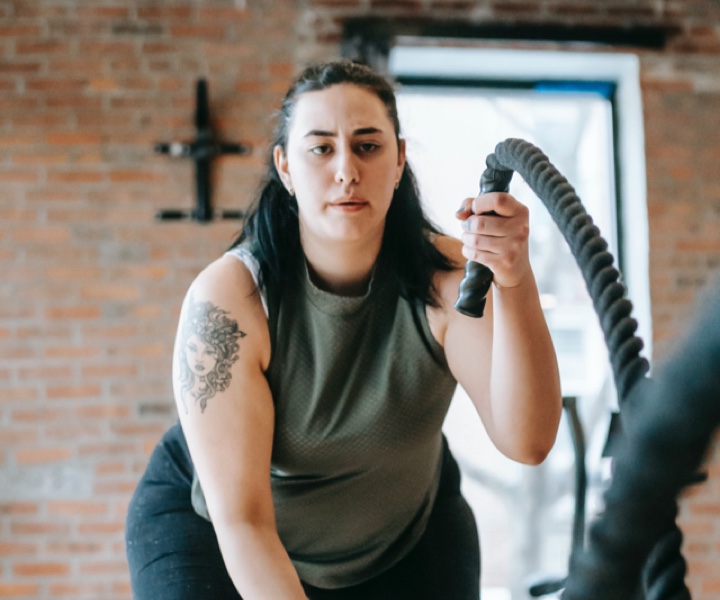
x=505, y=360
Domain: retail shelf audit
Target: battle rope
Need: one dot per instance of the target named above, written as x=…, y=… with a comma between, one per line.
x=588, y=247
x=596, y=572
x=671, y=427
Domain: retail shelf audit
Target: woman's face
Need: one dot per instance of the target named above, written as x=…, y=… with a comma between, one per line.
x=343, y=162
x=201, y=357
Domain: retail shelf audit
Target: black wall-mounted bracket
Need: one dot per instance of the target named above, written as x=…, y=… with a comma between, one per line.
x=202, y=150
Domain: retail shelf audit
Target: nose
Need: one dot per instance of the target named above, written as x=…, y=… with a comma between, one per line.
x=346, y=171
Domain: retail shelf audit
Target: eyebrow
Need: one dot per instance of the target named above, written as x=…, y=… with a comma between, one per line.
x=322, y=133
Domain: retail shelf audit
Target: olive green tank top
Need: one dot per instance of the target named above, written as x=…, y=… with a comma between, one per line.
x=359, y=404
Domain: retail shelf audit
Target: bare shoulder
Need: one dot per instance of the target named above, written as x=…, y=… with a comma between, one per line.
x=224, y=401
x=224, y=297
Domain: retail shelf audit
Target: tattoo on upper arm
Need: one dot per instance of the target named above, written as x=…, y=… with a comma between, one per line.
x=208, y=348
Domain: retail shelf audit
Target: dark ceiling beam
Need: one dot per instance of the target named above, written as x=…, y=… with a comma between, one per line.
x=368, y=38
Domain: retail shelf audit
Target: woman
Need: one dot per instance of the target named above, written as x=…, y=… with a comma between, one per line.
x=318, y=467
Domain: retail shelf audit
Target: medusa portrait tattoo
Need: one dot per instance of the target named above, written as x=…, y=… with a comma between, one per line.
x=208, y=348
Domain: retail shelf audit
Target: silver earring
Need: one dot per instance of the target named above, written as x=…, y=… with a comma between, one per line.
x=397, y=184
x=291, y=191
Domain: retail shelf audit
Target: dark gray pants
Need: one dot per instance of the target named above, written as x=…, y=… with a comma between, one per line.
x=173, y=553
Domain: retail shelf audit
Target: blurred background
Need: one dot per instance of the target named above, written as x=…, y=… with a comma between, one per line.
x=623, y=96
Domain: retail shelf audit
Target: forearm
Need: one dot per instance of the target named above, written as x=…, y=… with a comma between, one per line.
x=525, y=394
x=258, y=563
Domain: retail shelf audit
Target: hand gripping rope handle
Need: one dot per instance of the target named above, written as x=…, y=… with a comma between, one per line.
x=635, y=525
x=476, y=284
x=586, y=243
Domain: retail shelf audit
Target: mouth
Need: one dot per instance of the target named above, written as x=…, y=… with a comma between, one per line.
x=349, y=204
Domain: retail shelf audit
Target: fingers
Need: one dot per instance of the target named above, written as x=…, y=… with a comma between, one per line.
x=492, y=225
x=495, y=233
x=465, y=209
x=492, y=249
x=500, y=203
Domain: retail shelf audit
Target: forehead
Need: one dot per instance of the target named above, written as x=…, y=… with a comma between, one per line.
x=339, y=107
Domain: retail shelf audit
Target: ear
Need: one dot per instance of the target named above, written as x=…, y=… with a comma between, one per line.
x=401, y=158
x=281, y=165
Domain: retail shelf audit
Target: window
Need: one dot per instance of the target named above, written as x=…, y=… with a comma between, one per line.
x=455, y=105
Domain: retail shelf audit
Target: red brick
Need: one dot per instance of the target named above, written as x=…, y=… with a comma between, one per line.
x=107, y=567
x=103, y=411
x=17, y=352
x=73, y=272
x=39, y=528
x=41, y=158
x=78, y=391
x=338, y=3
x=101, y=528
x=75, y=102
x=455, y=5
x=17, y=548
x=165, y=12
x=19, y=68
x=76, y=590
x=109, y=370
x=19, y=176
x=77, y=176
x=18, y=393
x=122, y=587
x=15, y=140
x=40, y=569
x=19, y=590
x=42, y=455
x=209, y=31
x=42, y=47
x=221, y=13
x=137, y=176
x=16, y=435
x=68, y=138
x=102, y=12
x=102, y=84
x=106, y=450
x=73, y=352
x=73, y=432
x=75, y=508
x=73, y=312
x=109, y=291
x=74, y=547
x=54, y=85
x=111, y=468
x=19, y=508
x=10, y=31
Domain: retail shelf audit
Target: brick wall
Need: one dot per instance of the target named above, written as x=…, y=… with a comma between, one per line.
x=91, y=284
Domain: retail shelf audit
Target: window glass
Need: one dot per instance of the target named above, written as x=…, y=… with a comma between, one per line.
x=524, y=513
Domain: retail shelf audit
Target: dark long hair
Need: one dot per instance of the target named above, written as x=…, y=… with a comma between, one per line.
x=272, y=227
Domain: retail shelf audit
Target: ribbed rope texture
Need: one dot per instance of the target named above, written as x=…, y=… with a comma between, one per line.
x=635, y=525
x=590, y=251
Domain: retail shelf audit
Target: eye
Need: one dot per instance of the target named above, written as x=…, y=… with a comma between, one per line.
x=368, y=147
x=320, y=149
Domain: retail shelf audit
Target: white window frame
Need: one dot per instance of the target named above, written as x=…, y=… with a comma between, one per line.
x=407, y=59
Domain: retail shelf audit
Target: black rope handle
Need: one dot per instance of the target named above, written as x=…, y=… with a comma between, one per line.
x=588, y=247
x=475, y=286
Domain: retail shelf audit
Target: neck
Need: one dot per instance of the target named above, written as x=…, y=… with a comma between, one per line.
x=342, y=268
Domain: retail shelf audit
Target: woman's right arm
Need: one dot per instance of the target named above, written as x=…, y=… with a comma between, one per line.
x=226, y=410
